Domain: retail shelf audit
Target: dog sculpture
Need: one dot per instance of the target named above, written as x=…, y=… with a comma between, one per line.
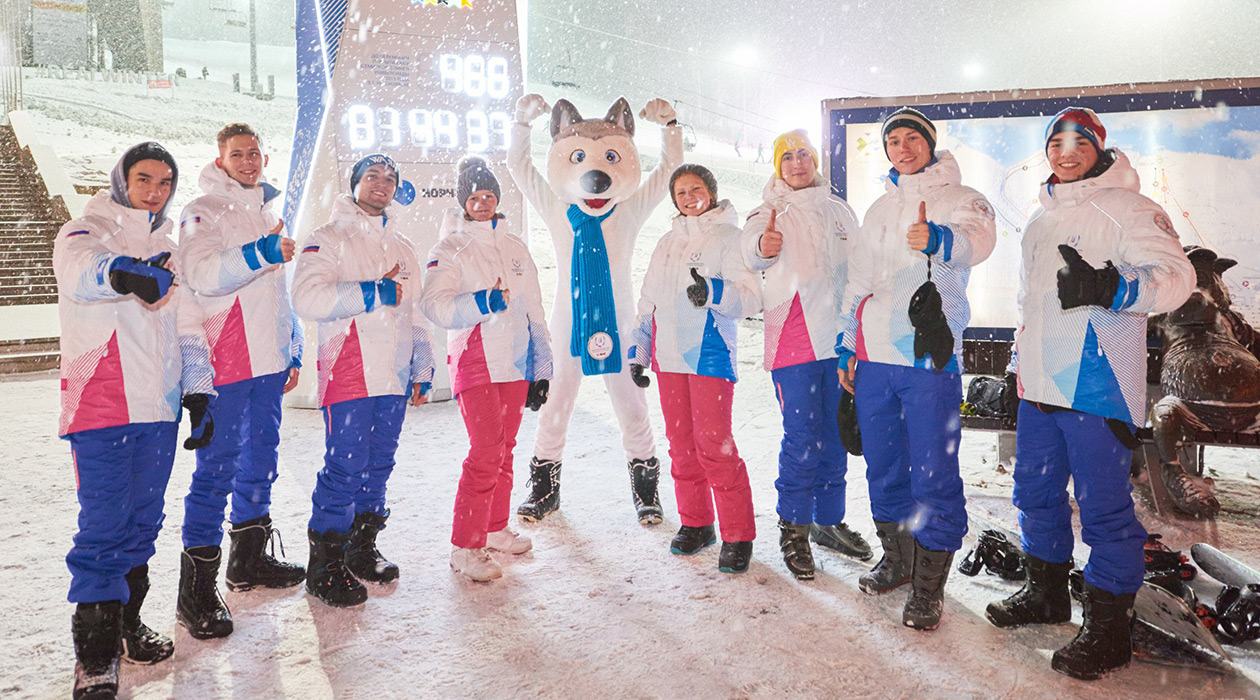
x=594, y=205
x=1210, y=378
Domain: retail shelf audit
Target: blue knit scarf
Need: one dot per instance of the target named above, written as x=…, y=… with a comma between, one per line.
x=593, y=307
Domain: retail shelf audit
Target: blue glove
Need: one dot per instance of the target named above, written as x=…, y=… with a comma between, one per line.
x=425, y=388
x=387, y=292
x=147, y=279
x=268, y=247
x=199, y=418
x=497, y=305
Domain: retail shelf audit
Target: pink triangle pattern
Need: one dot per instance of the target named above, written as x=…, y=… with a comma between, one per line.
x=93, y=394
x=470, y=367
x=229, y=346
x=794, y=346
x=344, y=380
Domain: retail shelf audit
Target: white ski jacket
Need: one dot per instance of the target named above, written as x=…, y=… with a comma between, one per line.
x=884, y=272
x=1093, y=359
x=462, y=268
x=250, y=322
x=365, y=348
x=675, y=336
x=122, y=360
x=803, y=283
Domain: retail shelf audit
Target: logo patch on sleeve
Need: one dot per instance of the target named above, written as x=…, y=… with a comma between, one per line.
x=982, y=207
x=1165, y=225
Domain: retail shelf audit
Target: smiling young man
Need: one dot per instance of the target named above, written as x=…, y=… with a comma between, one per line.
x=904, y=365
x=233, y=250
x=357, y=277
x=131, y=346
x=1097, y=258
x=799, y=237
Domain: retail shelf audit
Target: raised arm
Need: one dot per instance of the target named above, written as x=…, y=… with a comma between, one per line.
x=653, y=190
x=967, y=238
x=319, y=294
x=739, y=295
x=81, y=263
x=213, y=267
x=760, y=221
x=520, y=163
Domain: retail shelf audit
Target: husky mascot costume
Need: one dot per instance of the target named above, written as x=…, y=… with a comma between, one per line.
x=594, y=206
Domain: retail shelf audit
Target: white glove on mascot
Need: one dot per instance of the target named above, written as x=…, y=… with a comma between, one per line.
x=594, y=206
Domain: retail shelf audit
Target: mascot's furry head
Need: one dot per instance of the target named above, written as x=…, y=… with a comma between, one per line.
x=593, y=163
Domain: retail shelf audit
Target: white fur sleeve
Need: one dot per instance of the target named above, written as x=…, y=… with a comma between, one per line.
x=639, y=207
x=531, y=182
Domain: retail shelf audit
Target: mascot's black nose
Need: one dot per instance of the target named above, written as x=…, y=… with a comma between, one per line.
x=596, y=181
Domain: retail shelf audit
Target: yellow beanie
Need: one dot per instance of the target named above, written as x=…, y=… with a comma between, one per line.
x=790, y=141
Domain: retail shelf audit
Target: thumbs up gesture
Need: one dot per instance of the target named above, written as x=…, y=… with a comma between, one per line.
x=698, y=290
x=919, y=234
x=771, y=241
x=387, y=290
x=499, y=297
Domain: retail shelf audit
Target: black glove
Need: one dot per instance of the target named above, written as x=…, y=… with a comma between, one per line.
x=932, y=335
x=199, y=418
x=640, y=379
x=1080, y=284
x=148, y=279
x=850, y=435
x=537, y=395
x=698, y=293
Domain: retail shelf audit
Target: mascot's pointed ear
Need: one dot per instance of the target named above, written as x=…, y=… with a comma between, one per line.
x=562, y=115
x=1223, y=264
x=620, y=114
x=1199, y=255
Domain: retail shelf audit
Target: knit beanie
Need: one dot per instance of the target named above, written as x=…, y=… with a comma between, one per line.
x=790, y=141
x=148, y=150
x=368, y=161
x=911, y=119
x=710, y=182
x=474, y=176
x=1082, y=121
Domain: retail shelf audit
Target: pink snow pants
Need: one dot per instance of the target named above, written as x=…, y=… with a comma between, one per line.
x=492, y=414
x=704, y=462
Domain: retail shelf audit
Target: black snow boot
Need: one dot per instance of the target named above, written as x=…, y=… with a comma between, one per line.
x=1044, y=599
x=644, y=474
x=794, y=543
x=249, y=563
x=896, y=566
x=690, y=540
x=97, y=629
x=927, y=599
x=327, y=577
x=1104, y=642
x=362, y=557
x=735, y=557
x=841, y=538
x=141, y=644
x=544, y=496
x=200, y=607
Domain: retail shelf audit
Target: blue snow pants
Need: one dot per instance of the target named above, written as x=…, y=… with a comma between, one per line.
x=240, y=460
x=812, y=460
x=360, y=441
x=1049, y=448
x=121, y=475
x=910, y=438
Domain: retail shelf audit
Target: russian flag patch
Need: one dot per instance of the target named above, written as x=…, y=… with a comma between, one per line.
x=77, y=233
x=432, y=263
x=310, y=249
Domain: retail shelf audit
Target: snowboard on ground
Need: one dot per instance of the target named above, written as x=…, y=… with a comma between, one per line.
x=1166, y=630
x=1223, y=567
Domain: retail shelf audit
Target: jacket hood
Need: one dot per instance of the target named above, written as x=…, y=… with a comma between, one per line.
x=453, y=220
x=944, y=171
x=723, y=214
x=118, y=188
x=779, y=194
x=104, y=206
x=1121, y=175
x=215, y=181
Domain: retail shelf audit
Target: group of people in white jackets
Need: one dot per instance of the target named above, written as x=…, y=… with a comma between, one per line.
x=863, y=323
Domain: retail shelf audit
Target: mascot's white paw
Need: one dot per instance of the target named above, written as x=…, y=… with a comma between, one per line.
x=531, y=107
x=658, y=111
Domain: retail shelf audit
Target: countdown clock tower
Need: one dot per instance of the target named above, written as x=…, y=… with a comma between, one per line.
x=423, y=81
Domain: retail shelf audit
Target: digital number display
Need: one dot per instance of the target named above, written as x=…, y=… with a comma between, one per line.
x=469, y=96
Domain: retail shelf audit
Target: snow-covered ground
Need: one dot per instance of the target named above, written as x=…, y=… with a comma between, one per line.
x=600, y=608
